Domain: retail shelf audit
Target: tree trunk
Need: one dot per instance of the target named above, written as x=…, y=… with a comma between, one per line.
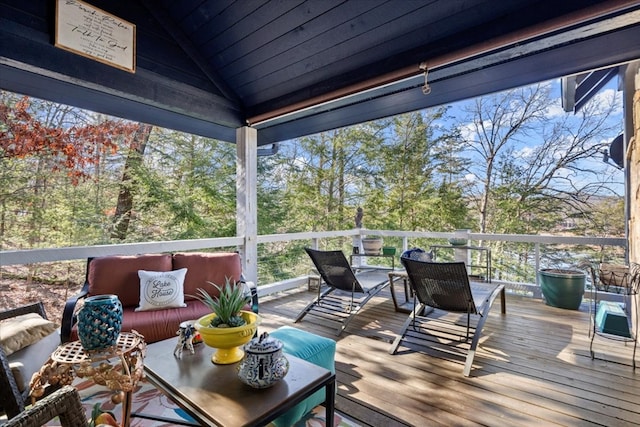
x=122, y=216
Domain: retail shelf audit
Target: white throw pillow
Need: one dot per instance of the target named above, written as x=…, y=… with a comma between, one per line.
x=161, y=289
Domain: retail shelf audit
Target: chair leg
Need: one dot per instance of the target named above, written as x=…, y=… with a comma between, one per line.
x=592, y=331
x=635, y=336
x=312, y=304
x=468, y=325
x=478, y=332
x=633, y=359
x=410, y=321
x=474, y=344
x=353, y=311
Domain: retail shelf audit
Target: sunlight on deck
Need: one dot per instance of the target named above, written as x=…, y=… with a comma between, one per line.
x=532, y=367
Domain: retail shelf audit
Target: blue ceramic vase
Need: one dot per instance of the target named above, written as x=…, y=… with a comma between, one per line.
x=100, y=322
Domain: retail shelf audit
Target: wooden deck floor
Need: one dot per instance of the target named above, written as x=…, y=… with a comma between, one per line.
x=532, y=368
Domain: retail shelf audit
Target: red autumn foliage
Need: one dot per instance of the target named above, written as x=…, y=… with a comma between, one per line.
x=71, y=148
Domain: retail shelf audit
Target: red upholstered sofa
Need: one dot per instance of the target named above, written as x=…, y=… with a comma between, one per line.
x=118, y=275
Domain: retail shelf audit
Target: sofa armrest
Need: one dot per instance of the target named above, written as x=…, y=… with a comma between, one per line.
x=253, y=289
x=69, y=316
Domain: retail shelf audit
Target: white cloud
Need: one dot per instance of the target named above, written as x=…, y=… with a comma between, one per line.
x=606, y=97
x=468, y=132
x=523, y=153
x=554, y=109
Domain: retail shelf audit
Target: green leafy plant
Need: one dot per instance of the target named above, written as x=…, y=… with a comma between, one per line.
x=226, y=306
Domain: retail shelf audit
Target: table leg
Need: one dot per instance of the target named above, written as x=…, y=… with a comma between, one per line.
x=393, y=292
x=126, y=409
x=408, y=292
x=330, y=403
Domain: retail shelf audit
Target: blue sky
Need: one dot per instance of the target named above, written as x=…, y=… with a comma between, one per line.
x=605, y=171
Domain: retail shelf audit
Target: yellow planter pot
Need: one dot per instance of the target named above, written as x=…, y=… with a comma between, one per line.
x=227, y=341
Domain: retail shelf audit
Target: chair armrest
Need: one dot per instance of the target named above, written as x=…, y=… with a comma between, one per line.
x=64, y=403
x=37, y=307
x=253, y=289
x=11, y=400
x=69, y=316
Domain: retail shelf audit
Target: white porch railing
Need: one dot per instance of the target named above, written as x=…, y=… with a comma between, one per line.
x=34, y=256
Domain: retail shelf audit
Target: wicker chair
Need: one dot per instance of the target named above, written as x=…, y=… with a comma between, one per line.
x=445, y=286
x=336, y=272
x=12, y=400
x=64, y=403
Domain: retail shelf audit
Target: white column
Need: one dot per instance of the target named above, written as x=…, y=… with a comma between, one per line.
x=463, y=255
x=356, y=243
x=247, y=199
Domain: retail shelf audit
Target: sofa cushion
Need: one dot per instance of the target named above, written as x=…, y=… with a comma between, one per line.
x=119, y=275
x=24, y=330
x=161, y=289
x=207, y=267
x=157, y=325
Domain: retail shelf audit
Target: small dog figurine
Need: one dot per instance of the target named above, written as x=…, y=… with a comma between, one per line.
x=186, y=334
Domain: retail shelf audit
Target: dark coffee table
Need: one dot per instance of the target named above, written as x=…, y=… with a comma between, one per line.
x=213, y=394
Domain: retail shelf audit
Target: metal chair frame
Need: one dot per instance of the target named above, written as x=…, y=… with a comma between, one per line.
x=446, y=286
x=337, y=274
x=631, y=289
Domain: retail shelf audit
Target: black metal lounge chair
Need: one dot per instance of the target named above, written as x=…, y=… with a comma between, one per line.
x=345, y=293
x=446, y=286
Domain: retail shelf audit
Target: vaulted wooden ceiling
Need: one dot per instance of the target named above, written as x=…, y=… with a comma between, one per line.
x=297, y=67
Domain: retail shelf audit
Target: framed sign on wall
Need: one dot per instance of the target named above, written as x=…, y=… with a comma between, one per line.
x=91, y=32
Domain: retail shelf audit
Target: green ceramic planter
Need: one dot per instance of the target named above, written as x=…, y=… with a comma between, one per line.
x=562, y=288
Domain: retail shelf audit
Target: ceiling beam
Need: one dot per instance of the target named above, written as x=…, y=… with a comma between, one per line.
x=607, y=15
x=183, y=41
x=451, y=85
x=35, y=84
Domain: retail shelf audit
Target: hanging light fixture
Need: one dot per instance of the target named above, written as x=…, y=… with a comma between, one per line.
x=615, y=152
x=426, y=89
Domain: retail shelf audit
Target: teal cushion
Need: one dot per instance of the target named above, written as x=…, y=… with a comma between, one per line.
x=312, y=348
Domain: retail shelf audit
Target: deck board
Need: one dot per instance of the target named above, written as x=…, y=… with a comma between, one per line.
x=532, y=367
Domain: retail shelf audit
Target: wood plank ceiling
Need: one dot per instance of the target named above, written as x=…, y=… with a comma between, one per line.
x=297, y=67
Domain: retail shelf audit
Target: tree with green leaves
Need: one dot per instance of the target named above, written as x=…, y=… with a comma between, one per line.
x=187, y=187
x=421, y=171
x=326, y=175
x=47, y=151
